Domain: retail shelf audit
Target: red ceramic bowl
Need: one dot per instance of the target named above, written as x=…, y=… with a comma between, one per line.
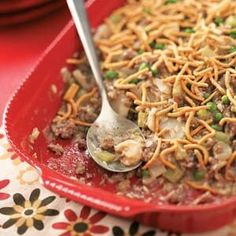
x=34, y=105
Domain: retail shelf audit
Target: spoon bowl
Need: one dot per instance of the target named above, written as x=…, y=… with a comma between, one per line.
x=116, y=127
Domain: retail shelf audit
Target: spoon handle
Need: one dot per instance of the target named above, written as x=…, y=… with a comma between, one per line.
x=79, y=15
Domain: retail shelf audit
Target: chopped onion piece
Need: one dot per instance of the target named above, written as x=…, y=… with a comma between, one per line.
x=157, y=169
x=164, y=88
x=222, y=151
x=102, y=32
x=121, y=105
x=208, y=52
x=34, y=135
x=175, y=128
x=151, y=119
x=130, y=152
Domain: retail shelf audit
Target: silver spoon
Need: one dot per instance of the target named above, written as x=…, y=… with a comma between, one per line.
x=108, y=122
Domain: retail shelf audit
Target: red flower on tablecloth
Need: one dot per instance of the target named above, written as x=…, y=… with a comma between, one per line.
x=3, y=184
x=1, y=136
x=16, y=159
x=84, y=224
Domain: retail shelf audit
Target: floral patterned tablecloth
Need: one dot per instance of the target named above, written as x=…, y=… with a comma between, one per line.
x=27, y=208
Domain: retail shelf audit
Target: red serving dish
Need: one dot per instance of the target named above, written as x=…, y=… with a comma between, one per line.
x=34, y=105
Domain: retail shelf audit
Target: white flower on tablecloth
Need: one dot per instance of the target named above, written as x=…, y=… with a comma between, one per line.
x=28, y=176
x=7, y=152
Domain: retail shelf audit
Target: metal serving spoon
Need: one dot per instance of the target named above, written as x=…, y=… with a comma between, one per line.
x=108, y=122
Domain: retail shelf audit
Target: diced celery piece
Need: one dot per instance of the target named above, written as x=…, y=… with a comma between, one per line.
x=232, y=49
x=143, y=65
x=221, y=136
x=189, y=30
x=233, y=109
x=231, y=21
x=105, y=156
x=204, y=114
x=115, y=18
x=174, y=175
x=177, y=91
x=142, y=116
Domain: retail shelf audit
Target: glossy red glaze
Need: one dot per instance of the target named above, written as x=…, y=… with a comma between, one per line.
x=16, y=5
x=35, y=12
x=34, y=105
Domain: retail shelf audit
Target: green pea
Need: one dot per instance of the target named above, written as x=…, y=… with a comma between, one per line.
x=111, y=74
x=212, y=106
x=140, y=51
x=154, y=72
x=225, y=100
x=159, y=46
x=189, y=30
x=198, y=175
x=170, y=2
x=189, y=86
x=134, y=81
x=232, y=49
x=218, y=116
x=152, y=44
x=232, y=34
x=147, y=10
x=156, y=45
x=218, y=20
x=216, y=127
x=145, y=173
x=143, y=65
x=206, y=95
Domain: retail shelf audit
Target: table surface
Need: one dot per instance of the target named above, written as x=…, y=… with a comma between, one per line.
x=20, y=49
x=26, y=207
